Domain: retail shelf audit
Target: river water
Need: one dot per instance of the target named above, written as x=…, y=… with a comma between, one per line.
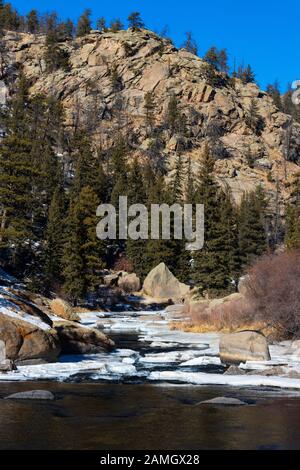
x=127, y=406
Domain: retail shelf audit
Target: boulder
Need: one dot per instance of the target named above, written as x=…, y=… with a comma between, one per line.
x=129, y=282
x=25, y=340
x=162, y=284
x=234, y=370
x=225, y=401
x=77, y=339
x=63, y=309
x=32, y=395
x=243, y=346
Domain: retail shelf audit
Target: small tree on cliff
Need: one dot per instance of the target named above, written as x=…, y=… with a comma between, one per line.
x=84, y=23
x=135, y=21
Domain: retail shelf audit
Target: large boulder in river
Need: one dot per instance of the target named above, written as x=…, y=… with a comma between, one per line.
x=75, y=339
x=162, y=284
x=26, y=331
x=243, y=346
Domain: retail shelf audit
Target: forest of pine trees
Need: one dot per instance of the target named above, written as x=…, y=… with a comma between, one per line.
x=48, y=202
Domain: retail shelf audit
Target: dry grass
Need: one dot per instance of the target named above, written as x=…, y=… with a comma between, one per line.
x=227, y=317
x=211, y=328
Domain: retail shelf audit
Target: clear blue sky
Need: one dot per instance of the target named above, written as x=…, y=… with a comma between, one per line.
x=264, y=33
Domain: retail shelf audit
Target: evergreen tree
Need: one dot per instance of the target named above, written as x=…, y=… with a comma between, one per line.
x=211, y=273
x=84, y=254
x=101, y=24
x=32, y=22
x=54, y=238
x=251, y=226
x=246, y=74
x=136, y=195
x=274, y=91
x=135, y=21
x=84, y=24
x=55, y=56
x=292, y=238
x=253, y=118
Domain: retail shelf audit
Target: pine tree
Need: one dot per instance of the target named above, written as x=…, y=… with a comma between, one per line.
x=101, y=24
x=55, y=56
x=135, y=21
x=84, y=254
x=211, y=273
x=54, y=238
x=84, y=24
x=292, y=237
x=32, y=22
x=136, y=195
x=274, y=91
x=253, y=118
x=246, y=74
x=251, y=226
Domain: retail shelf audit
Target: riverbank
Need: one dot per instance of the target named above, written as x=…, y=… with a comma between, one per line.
x=149, y=351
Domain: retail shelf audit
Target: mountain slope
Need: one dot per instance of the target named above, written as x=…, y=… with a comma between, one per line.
x=105, y=90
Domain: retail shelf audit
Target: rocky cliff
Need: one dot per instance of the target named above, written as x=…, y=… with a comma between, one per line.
x=105, y=87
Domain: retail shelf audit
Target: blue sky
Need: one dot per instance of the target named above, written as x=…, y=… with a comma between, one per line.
x=263, y=33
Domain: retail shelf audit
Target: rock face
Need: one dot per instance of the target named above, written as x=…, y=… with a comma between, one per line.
x=162, y=284
x=129, y=282
x=32, y=395
x=62, y=309
x=144, y=62
x=244, y=346
x=76, y=339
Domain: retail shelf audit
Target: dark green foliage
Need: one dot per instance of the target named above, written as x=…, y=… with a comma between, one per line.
x=274, y=91
x=252, y=226
x=56, y=57
x=84, y=253
x=292, y=239
x=135, y=21
x=54, y=238
x=32, y=22
x=211, y=271
x=101, y=24
x=217, y=58
x=84, y=24
x=253, y=118
x=246, y=74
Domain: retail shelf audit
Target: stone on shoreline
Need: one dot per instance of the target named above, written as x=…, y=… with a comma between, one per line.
x=225, y=401
x=32, y=395
x=243, y=346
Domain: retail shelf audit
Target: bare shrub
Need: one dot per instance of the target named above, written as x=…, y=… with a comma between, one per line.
x=123, y=264
x=273, y=292
x=229, y=315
